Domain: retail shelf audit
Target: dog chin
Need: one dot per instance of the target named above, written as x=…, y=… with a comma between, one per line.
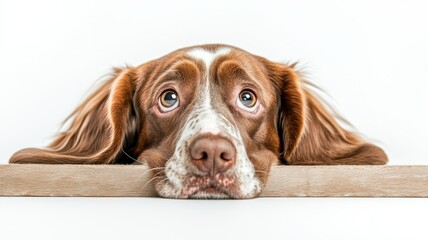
x=204, y=193
x=203, y=187
x=210, y=195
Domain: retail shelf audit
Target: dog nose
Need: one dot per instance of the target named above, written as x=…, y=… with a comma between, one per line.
x=212, y=154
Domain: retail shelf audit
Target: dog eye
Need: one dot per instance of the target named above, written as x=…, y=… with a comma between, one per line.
x=247, y=100
x=168, y=100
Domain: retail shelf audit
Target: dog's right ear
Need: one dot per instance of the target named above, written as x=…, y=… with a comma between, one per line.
x=309, y=133
x=99, y=127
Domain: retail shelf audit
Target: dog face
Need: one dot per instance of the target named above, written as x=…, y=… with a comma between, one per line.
x=210, y=121
x=214, y=114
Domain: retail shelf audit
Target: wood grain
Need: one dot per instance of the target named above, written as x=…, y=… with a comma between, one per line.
x=284, y=181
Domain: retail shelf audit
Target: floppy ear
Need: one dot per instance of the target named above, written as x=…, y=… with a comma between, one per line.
x=310, y=135
x=99, y=128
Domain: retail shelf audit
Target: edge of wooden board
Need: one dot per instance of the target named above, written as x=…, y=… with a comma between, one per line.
x=284, y=181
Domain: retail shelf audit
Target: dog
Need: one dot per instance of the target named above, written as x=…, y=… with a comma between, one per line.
x=209, y=121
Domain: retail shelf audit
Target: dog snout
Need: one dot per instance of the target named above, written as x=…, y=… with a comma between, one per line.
x=212, y=154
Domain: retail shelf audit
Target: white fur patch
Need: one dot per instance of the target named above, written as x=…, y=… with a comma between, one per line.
x=209, y=121
x=205, y=119
x=207, y=56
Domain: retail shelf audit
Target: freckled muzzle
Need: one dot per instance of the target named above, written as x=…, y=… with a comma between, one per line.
x=212, y=155
x=218, y=186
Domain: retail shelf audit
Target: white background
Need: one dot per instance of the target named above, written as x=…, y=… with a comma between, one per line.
x=370, y=56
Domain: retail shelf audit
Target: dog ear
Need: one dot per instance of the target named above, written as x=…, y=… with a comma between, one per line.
x=310, y=134
x=99, y=127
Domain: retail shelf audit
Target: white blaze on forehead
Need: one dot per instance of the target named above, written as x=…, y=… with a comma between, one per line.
x=209, y=117
x=207, y=56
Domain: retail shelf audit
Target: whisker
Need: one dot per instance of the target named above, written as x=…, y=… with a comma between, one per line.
x=157, y=168
x=152, y=169
x=136, y=160
x=147, y=183
x=162, y=169
x=161, y=156
x=152, y=179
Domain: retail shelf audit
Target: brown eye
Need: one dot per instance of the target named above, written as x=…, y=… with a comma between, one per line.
x=247, y=100
x=168, y=100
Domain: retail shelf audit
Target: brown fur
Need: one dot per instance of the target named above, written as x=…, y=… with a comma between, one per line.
x=314, y=135
x=294, y=126
x=98, y=130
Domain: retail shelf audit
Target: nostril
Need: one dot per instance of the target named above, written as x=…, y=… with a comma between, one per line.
x=226, y=156
x=198, y=152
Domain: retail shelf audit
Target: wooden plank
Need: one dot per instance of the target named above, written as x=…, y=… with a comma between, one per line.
x=284, y=181
x=75, y=180
x=348, y=181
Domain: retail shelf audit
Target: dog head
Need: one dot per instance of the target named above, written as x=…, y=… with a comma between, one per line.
x=209, y=120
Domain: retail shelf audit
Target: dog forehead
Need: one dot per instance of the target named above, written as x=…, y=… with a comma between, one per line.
x=207, y=56
x=232, y=66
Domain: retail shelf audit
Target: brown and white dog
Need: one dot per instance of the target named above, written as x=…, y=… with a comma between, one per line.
x=210, y=121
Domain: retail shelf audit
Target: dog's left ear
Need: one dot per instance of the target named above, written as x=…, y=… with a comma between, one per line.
x=100, y=127
x=309, y=134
